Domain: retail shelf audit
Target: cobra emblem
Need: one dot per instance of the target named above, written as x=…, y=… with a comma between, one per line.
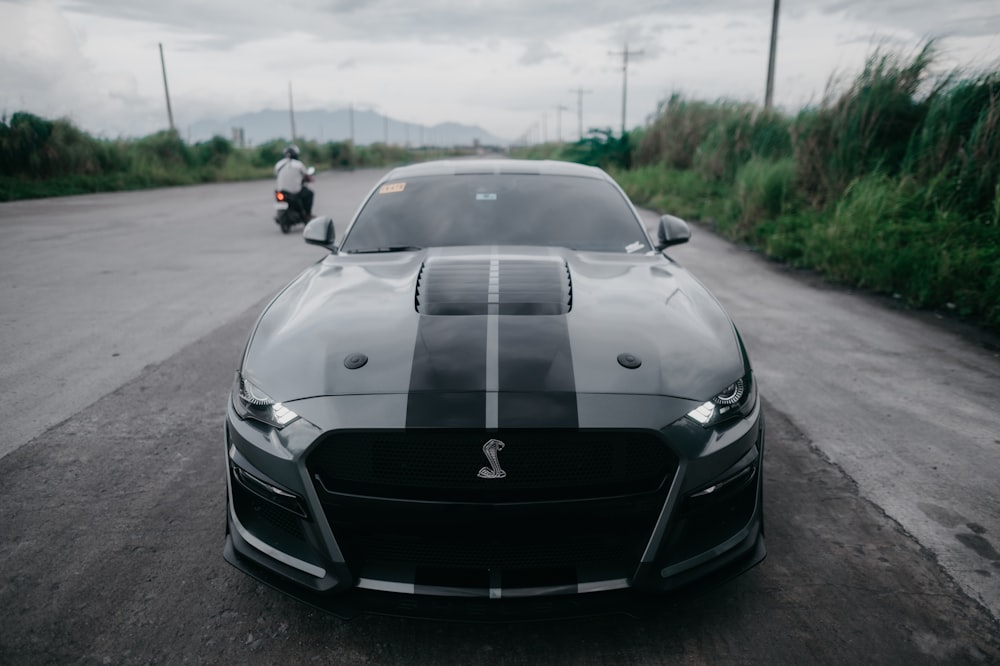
x=492, y=448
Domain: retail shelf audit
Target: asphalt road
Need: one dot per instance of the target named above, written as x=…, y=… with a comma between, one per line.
x=122, y=317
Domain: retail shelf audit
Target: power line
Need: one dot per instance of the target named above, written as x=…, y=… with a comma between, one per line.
x=625, y=54
x=580, y=92
x=291, y=110
x=559, y=109
x=163, y=66
x=769, y=90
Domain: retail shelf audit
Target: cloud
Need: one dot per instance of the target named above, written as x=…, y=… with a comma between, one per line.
x=391, y=20
x=229, y=22
x=537, y=52
x=481, y=61
x=43, y=69
x=924, y=18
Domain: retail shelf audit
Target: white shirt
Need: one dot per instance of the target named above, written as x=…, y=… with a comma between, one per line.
x=290, y=174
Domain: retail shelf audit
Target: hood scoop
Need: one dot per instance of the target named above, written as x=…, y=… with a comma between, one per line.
x=494, y=285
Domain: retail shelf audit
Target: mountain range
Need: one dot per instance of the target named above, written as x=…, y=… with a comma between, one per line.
x=364, y=126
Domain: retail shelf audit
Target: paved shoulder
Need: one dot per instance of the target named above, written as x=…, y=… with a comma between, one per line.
x=906, y=409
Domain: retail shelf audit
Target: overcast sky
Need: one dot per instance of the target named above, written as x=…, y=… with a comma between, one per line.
x=505, y=65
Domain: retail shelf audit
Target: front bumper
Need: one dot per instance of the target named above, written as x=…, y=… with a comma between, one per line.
x=706, y=527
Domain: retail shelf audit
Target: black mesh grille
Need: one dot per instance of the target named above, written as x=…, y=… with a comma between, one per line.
x=539, y=465
x=250, y=509
x=707, y=521
x=573, y=500
x=480, y=554
x=509, y=543
x=607, y=533
x=513, y=287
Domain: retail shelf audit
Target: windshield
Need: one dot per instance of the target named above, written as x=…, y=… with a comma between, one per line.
x=497, y=209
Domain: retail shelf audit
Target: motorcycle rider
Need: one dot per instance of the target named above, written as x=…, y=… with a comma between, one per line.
x=292, y=176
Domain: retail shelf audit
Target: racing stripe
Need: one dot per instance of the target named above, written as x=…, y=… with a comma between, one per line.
x=509, y=367
x=537, y=388
x=492, y=345
x=448, y=376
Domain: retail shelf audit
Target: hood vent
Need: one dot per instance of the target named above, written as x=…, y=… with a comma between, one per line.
x=494, y=285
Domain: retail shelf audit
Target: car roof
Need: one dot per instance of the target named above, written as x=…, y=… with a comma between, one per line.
x=496, y=166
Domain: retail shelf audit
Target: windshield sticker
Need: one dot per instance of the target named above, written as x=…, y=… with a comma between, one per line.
x=486, y=196
x=634, y=247
x=391, y=188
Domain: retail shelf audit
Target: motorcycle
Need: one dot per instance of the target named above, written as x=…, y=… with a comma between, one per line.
x=288, y=209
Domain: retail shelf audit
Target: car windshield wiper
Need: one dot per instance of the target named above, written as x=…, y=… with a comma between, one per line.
x=388, y=248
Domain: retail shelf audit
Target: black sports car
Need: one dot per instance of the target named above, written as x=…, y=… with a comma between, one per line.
x=497, y=397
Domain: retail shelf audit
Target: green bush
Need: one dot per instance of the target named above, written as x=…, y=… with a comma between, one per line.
x=678, y=129
x=892, y=185
x=548, y=151
x=266, y=155
x=763, y=190
x=340, y=155
x=164, y=150
x=214, y=152
x=787, y=236
x=39, y=158
x=681, y=193
x=743, y=134
x=600, y=148
x=32, y=147
x=377, y=154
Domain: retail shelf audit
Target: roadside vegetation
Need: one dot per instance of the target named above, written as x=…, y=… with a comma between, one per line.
x=42, y=158
x=891, y=183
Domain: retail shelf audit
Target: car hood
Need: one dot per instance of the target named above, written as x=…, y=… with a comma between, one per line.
x=515, y=320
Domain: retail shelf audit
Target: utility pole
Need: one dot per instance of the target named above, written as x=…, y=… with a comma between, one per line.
x=559, y=109
x=769, y=90
x=163, y=66
x=580, y=92
x=624, y=54
x=385, y=129
x=350, y=110
x=291, y=110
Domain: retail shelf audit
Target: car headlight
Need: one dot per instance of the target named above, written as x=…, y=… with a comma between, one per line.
x=250, y=402
x=737, y=399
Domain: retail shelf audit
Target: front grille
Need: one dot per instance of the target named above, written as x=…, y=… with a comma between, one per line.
x=478, y=554
x=607, y=534
x=548, y=536
x=572, y=501
x=444, y=465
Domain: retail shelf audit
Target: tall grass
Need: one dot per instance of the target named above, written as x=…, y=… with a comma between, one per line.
x=764, y=189
x=683, y=193
x=40, y=157
x=600, y=147
x=678, y=130
x=892, y=184
x=865, y=129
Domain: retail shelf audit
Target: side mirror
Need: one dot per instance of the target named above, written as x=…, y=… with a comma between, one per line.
x=310, y=171
x=673, y=231
x=319, y=231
